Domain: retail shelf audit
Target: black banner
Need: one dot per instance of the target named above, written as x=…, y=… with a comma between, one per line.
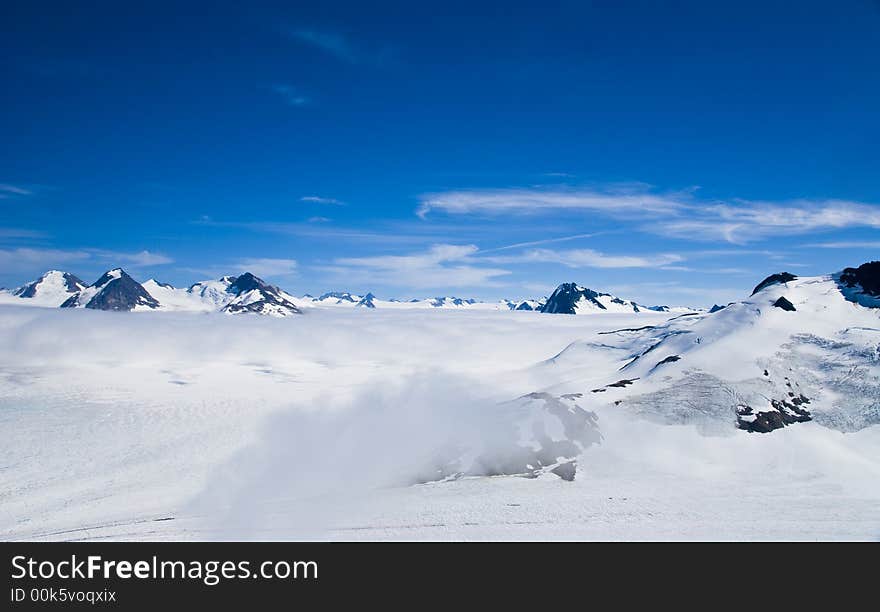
x=131, y=576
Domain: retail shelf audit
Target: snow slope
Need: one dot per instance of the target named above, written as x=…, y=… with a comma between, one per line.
x=50, y=290
x=751, y=362
x=345, y=426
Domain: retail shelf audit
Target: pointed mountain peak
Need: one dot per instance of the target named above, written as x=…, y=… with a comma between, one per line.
x=254, y=295
x=247, y=282
x=51, y=286
x=115, y=290
x=367, y=301
x=571, y=298
x=153, y=282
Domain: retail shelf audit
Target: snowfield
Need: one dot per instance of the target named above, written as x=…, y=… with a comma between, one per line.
x=357, y=423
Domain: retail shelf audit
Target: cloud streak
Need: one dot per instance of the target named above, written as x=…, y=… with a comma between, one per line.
x=846, y=244
x=291, y=95
x=442, y=265
x=321, y=200
x=8, y=191
x=680, y=215
x=266, y=266
x=341, y=47
x=749, y=221
x=589, y=258
x=536, y=201
x=30, y=260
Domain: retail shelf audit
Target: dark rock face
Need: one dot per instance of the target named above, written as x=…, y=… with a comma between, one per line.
x=116, y=290
x=620, y=384
x=867, y=276
x=367, y=301
x=774, y=279
x=784, y=304
x=670, y=359
x=716, y=308
x=566, y=296
x=246, y=282
x=439, y=302
x=254, y=295
x=72, y=283
x=524, y=306
x=784, y=412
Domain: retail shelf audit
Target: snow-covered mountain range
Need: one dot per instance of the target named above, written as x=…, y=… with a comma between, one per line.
x=796, y=350
x=701, y=421
x=116, y=290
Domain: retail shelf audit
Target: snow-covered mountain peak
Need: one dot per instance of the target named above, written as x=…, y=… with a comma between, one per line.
x=154, y=283
x=254, y=295
x=368, y=301
x=338, y=298
x=571, y=298
x=52, y=288
x=797, y=349
x=114, y=290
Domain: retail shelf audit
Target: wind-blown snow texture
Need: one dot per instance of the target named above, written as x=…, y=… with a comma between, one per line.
x=751, y=422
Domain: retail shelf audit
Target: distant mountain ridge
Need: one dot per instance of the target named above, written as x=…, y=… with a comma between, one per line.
x=570, y=298
x=246, y=293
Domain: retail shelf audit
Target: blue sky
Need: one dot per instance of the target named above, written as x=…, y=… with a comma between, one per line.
x=671, y=152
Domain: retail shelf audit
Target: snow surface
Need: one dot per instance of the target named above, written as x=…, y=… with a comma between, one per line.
x=169, y=426
x=172, y=298
x=50, y=291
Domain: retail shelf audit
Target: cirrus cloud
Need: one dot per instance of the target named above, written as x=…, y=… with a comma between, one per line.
x=680, y=215
x=441, y=265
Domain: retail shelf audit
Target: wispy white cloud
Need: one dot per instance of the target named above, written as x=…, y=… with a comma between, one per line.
x=321, y=200
x=442, y=265
x=747, y=221
x=342, y=47
x=11, y=191
x=137, y=259
x=141, y=258
x=13, y=233
x=265, y=266
x=681, y=215
x=319, y=220
x=28, y=259
x=520, y=245
x=533, y=201
x=332, y=43
x=323, y=231
x=290, y=94
x=588, y=258
x=845, y=244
